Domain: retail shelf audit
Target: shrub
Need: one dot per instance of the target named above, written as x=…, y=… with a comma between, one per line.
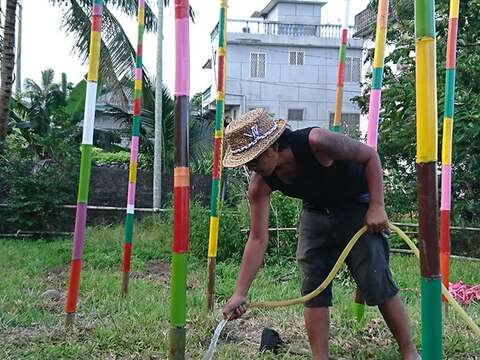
x=35, y=187
x=119, y=159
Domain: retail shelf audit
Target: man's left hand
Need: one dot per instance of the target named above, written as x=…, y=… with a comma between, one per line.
x=376, y=219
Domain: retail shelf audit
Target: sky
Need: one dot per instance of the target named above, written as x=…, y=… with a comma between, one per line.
x=45, y=44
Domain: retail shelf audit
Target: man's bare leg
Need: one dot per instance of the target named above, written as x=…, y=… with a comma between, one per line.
x=394, y=315
x=317, y=322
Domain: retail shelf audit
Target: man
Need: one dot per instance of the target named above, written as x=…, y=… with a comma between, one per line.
x=340, y=183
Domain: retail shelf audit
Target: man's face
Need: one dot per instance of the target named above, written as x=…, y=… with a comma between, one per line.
x=265, y=163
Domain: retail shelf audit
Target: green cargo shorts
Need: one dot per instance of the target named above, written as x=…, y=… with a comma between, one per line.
x=323, y=234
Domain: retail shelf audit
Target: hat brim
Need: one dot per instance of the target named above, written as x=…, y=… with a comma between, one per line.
x=234, y=160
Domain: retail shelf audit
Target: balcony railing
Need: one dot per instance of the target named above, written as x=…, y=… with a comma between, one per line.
x=206, y=94
x=253, y=26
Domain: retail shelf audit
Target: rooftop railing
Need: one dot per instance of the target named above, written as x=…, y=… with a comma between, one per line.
x=258, y=26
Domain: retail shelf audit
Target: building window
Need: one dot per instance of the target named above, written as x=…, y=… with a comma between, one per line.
x=350, y=123
x=353, y=68
x=257, y=65
x=296, y=57
x=253, y=107
x=295, y=114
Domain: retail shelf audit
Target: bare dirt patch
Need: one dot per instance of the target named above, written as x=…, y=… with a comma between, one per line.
x=159, y=271
x=246, y=332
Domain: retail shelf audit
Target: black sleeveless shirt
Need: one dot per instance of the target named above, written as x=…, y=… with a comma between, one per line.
x=318, y=186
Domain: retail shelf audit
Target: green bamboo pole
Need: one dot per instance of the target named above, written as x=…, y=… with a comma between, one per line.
x=449, y=112
x=132, y=178
x=337, y=121
x=426, y=99
x=217, y=154
x=181, y=184
x=85, y=164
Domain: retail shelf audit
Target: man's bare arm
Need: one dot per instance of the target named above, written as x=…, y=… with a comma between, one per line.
x=258, y=197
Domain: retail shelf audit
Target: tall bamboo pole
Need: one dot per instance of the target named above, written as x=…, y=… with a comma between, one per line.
x=426, y=99
x=181, y=184
x=377, y=76
x=375, y=103
x=449, y=112
x=337, y=121
x=85, y=163
x=215, y=202
x=132, y=178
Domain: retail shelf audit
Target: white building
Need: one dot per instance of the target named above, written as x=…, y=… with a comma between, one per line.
x=285, y=60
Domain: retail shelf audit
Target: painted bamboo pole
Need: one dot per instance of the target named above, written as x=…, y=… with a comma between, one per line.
x=426, y=102
x=181, y=184
x=337, y=121
x=85, y=163
x=132, y=176
x=448, y=116
x=374, y=105
x=377, y=76
x=215, y=202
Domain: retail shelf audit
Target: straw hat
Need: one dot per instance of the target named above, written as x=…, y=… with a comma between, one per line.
x=251, y=135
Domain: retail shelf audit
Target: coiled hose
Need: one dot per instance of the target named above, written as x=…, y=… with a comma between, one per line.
x=274, y=304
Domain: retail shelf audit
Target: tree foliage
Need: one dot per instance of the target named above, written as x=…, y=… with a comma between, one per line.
x=397, y=132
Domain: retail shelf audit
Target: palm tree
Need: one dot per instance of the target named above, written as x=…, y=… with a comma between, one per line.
x=39, y=109
x=117, y=56
x=199, y=129
x=157, y=158
x=8, y=62
x=40, y=92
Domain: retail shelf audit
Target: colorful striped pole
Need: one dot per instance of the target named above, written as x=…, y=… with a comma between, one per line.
x=181, y=184
x=426, y=98
x=132, y=178
x=374, y=106
x=85, y=163
x=337, y=121
x=217, y=154
x=377, y=76
x=449, y=112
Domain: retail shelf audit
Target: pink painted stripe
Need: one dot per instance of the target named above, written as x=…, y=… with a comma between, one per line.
x=79, y=235
x=138, y=74
x=141, y=3
x=374, y=109
x=182, y=70
x=131, y=194
x=344, y=36
x=97, y=10
x=446, y=187
x=134, y=149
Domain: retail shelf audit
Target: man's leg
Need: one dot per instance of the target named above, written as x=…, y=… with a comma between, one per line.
x=394, y=315
x=317, y=322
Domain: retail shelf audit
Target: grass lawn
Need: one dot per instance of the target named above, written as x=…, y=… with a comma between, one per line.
x=110, y=327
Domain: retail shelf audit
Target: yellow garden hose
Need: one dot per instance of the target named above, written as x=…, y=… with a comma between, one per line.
x=273, y=304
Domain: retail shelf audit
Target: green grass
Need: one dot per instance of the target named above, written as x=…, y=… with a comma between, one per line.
x=108, y=326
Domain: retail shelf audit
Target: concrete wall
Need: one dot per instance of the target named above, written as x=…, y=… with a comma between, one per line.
x=108, y=187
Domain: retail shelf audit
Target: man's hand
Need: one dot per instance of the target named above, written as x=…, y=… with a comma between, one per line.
x=376, y=219
x=235, y=307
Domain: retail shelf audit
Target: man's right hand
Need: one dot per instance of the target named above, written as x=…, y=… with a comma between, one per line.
x=235, y=307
